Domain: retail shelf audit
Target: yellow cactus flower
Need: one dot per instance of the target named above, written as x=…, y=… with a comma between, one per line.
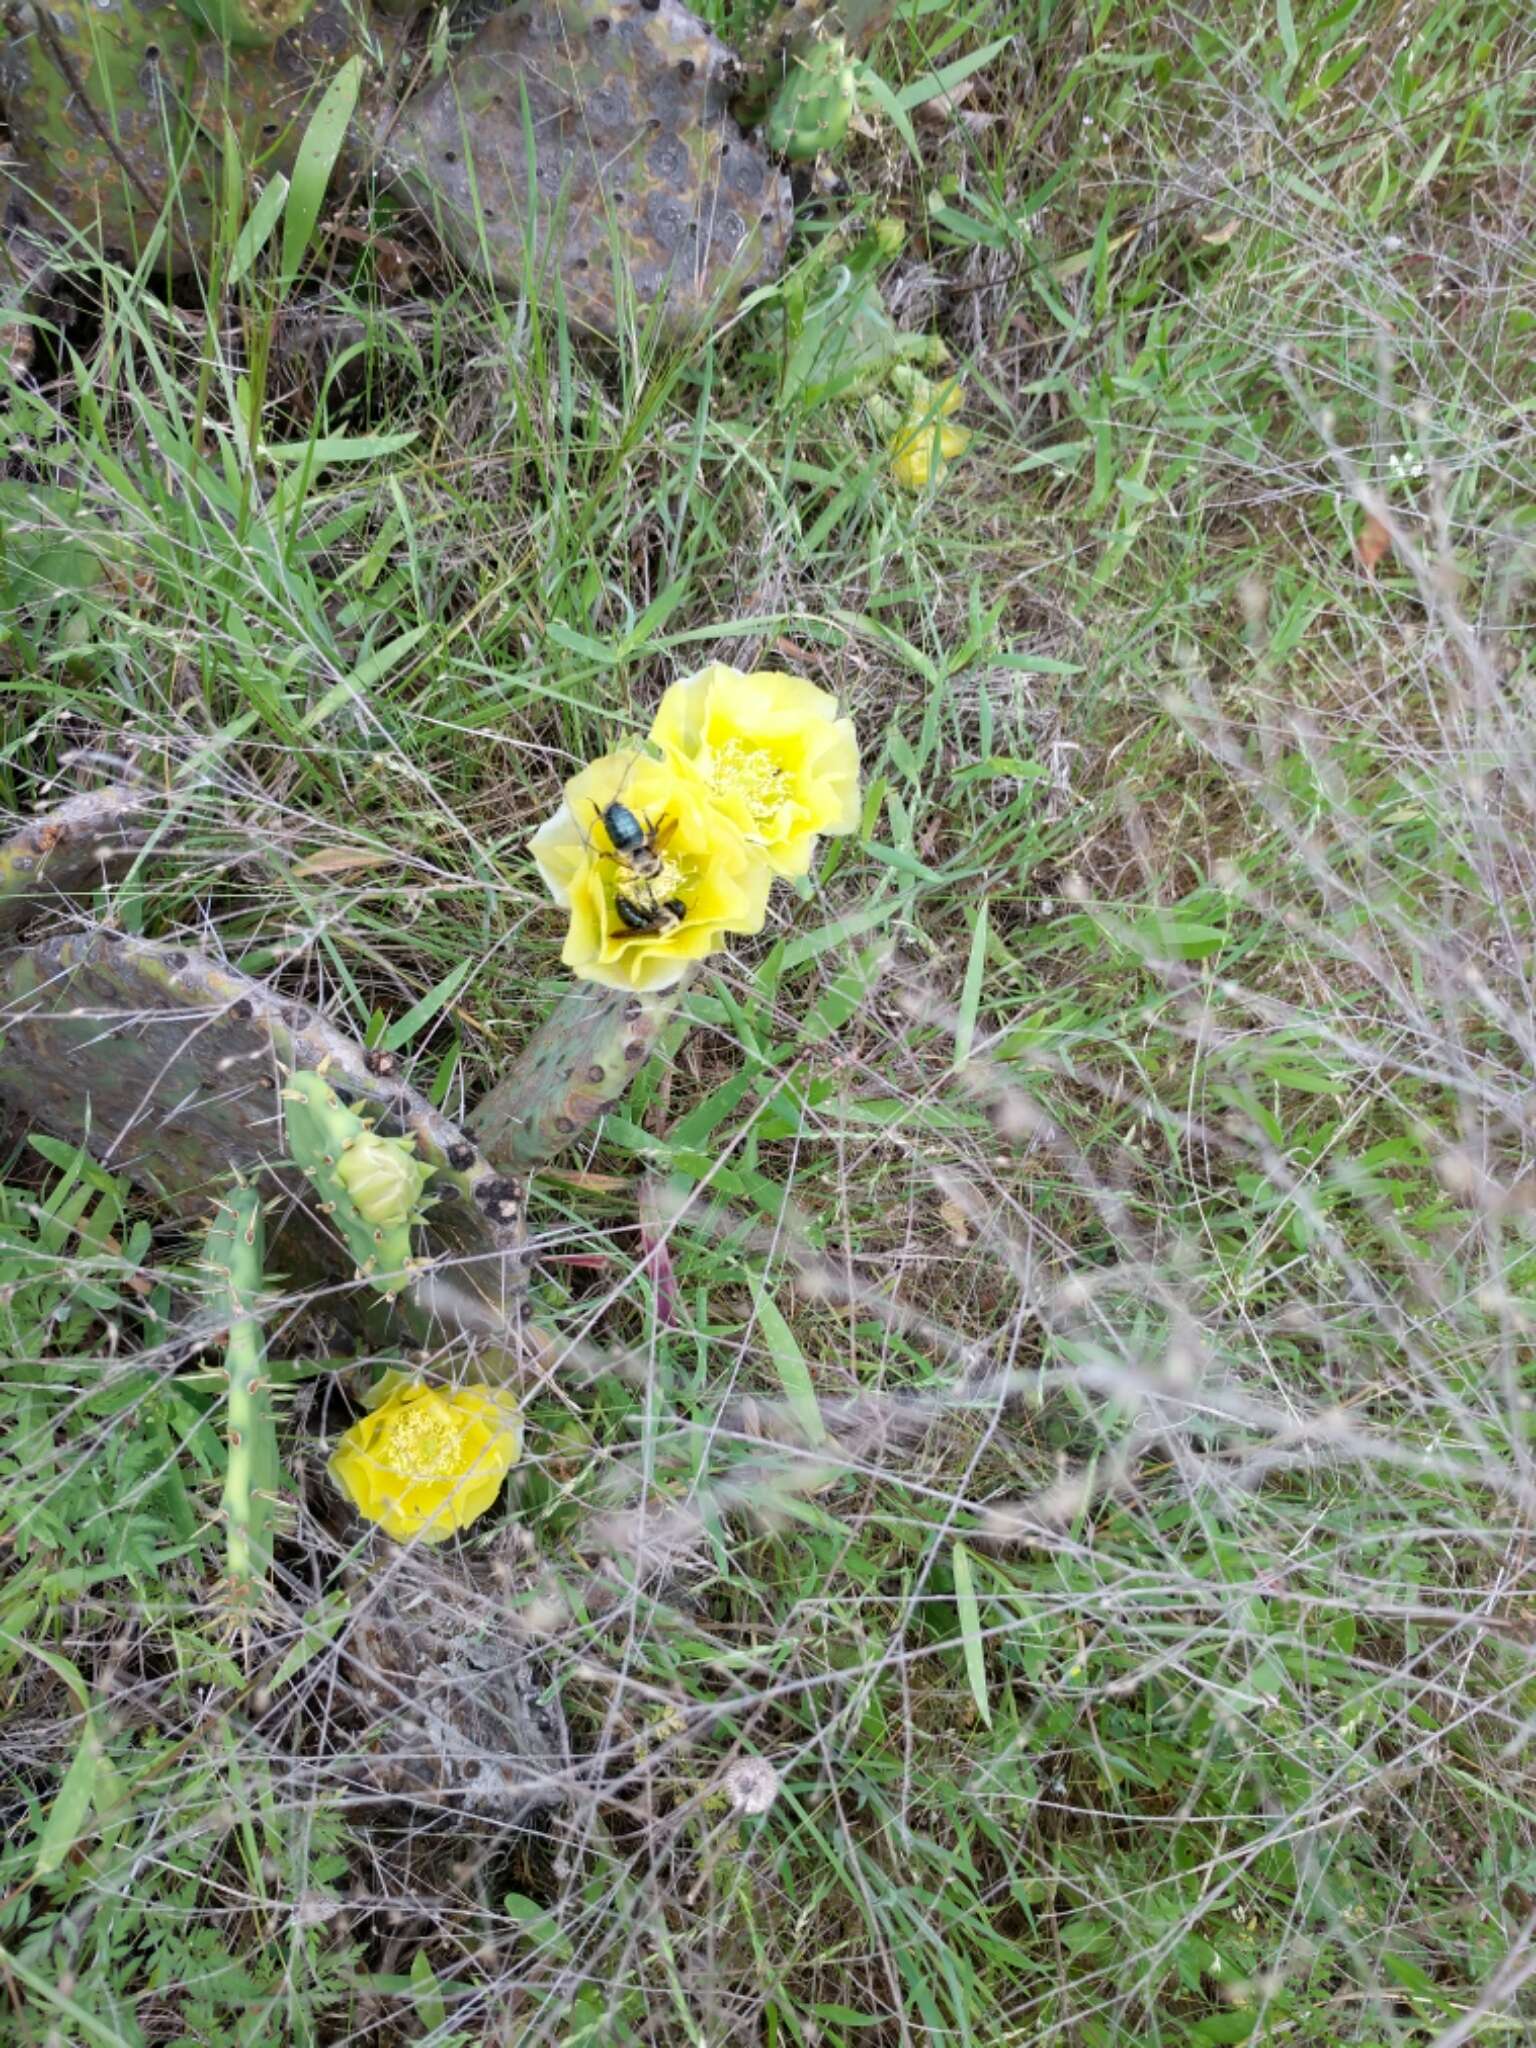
x=913, y=451
x=776, y=758
x=640, y=922
x=924, y=399
x=427, y=1460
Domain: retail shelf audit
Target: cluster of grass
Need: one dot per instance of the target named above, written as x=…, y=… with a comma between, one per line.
x=1113, y=1171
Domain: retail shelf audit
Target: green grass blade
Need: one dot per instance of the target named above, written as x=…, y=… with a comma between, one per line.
x=969, y=1611
x=790, y=1365
x=314, y=164
x=257, y=231
x=436, y=1000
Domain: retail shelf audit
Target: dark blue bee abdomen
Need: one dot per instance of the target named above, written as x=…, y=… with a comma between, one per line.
x=625, y=832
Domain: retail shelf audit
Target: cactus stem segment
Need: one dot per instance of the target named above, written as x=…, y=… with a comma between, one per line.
x=369, y=1186
x=812, y=108
x=234, y=1256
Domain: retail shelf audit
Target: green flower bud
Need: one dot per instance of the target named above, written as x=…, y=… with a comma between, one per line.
x=383, y=1178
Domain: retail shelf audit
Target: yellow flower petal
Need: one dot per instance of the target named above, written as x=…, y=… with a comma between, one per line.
x=427, y=1460
x=923, y=400
x=914, y=447
x=777, y=760
x=707, y=867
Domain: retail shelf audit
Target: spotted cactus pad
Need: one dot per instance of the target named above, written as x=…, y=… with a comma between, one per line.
x=124, y=103
x=576, y=1066
x=169, y=1066
x=114, y=106
x=68, y=851
x=635, y=157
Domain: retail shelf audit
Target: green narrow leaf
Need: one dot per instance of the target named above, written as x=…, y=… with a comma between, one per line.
x=333, y=448
x=1161, y=935
x=405, y=1028
x=872, y=84
x=1224, y=2029
x=970, y=1630
x=540, y=1927
x=789, y=1363
x=315, y=161
x=257, y=231
x=64, y=1670
x=905, y=863
x=1287, y=21
x=1413, y=1978
x=66, y=1822
x=318, y=1633
x=810, y=945
x=364, y=676
x=970, y=994
x=934, y=84
x=847, y=992
x=579, y=643
x=427, y=1993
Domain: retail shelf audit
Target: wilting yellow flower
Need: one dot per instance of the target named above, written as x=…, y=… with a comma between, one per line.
x=776, y=758
x=925, y=399
x=913, y=449
x=922, y=440
x=428, y=1460
x=707, y=880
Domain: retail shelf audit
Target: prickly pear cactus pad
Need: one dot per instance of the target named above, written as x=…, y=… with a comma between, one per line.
x=576, y=1065
x=104, y=99
x=634, y=149
x=169, y=1066
x=246, y=24
x=67, y=851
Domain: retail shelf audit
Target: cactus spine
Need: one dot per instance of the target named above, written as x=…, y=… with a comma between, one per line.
x=370, y=1186
x=235, y=1257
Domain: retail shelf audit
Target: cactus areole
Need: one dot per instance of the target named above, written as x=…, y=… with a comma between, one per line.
x=644, y=195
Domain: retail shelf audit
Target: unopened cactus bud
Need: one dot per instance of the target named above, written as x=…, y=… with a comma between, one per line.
x=370, y=1186
x=383, y=1177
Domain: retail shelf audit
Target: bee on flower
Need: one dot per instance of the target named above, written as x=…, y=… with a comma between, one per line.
x=660, y=851
x=427, y=1461
x=641, y=923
